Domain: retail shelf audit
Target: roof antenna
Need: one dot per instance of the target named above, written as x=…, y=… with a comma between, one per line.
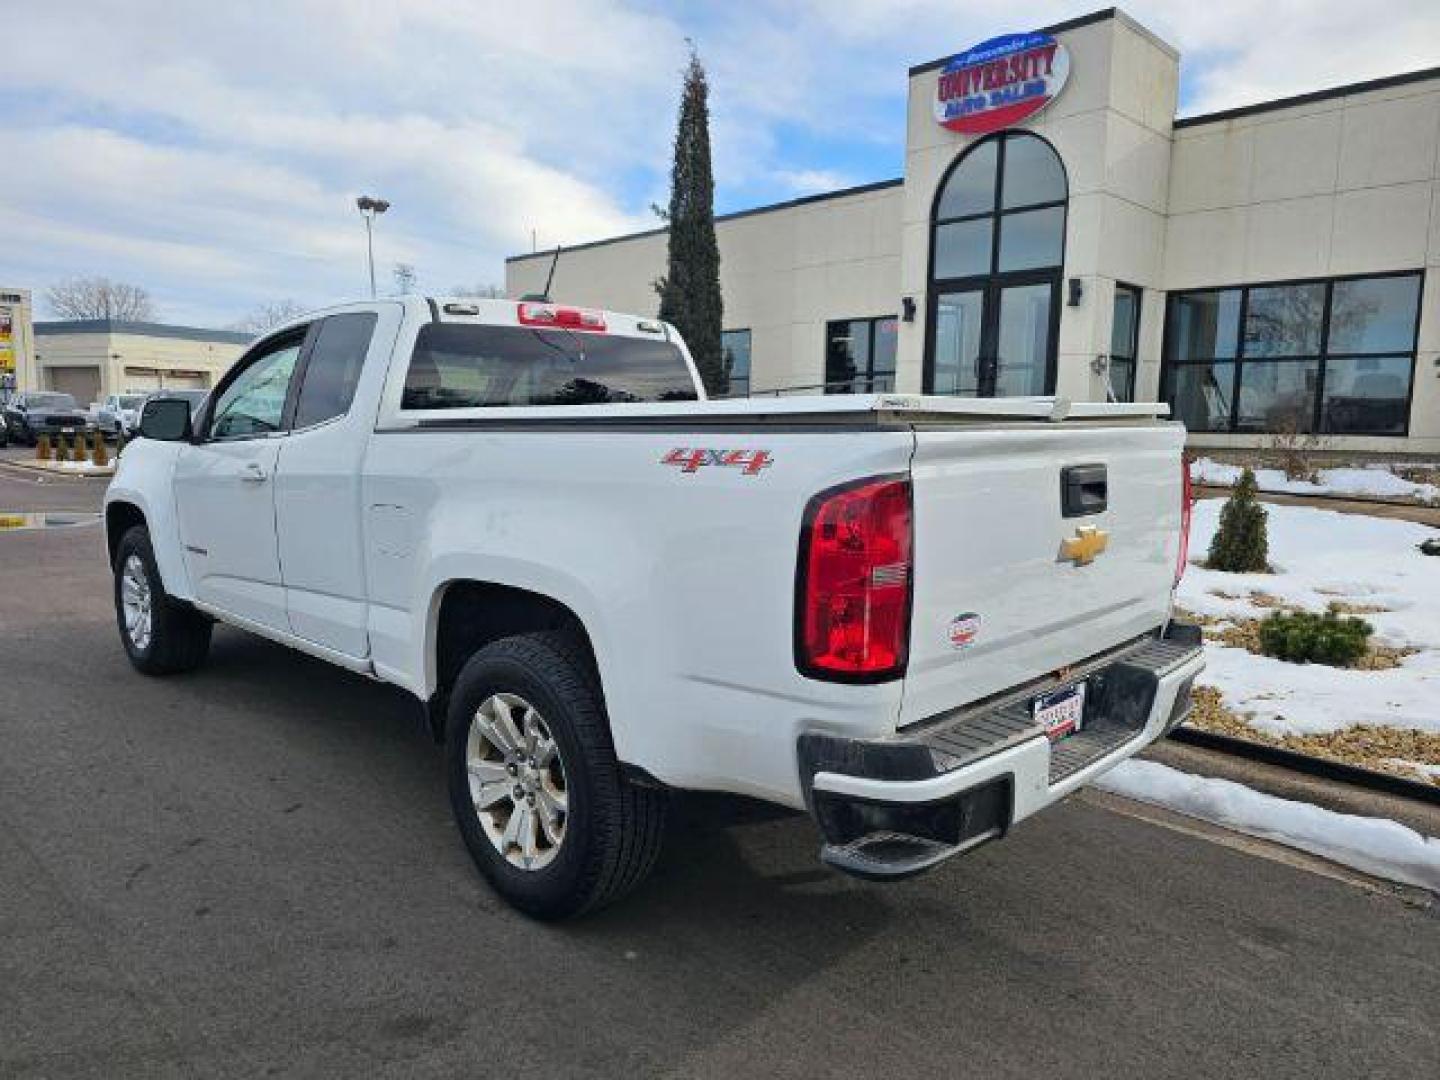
x=544, y=297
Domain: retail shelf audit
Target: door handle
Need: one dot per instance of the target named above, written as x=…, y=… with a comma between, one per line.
x=254, y=473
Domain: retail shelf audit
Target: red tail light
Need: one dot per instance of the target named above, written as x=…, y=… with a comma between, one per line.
x=853, y=592
x=1187, y=500
x=569, y=318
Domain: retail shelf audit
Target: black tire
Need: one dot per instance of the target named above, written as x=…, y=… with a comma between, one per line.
x=179, y=635
x=613, y=829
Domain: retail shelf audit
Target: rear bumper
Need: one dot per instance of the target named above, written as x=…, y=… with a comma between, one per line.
x=890, y=808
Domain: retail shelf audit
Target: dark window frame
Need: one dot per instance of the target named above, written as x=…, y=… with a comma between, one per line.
x=994, y=280
x=1321, y=359
x=862, y=382
x=1133, y=359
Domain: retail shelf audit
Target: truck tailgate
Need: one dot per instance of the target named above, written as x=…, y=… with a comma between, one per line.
x=997, y=602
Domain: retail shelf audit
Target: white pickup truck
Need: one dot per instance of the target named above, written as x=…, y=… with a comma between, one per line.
x=920, y=619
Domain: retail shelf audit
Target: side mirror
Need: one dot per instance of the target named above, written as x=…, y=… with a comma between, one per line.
x=166, y=420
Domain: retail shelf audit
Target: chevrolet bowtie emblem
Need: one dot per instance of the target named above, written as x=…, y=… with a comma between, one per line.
x=1084, y=547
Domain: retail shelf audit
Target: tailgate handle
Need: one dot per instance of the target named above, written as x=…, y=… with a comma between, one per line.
x=1083, y=490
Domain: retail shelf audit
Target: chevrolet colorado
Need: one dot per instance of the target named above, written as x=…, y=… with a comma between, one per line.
x=919, y=619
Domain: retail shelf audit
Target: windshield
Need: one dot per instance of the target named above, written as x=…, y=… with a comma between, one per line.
x=460, y=366
x=130, y=401
x=49, y=401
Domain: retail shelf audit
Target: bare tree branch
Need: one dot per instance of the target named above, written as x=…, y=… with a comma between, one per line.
x=100, y=298
x=481, y=292
x=268, y=314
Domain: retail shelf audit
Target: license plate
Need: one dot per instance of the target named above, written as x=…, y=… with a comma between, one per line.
x=67, y=431
x=1061, y=712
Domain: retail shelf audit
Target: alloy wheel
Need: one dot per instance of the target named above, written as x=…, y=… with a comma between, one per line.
x=135, y=602
x=517, y=781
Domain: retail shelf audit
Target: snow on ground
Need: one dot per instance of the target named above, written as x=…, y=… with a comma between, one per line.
x=1321, y=556
x=1374, y=846
x=1373, y=482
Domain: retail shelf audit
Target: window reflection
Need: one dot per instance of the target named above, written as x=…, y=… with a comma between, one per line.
x=1298, y=372
x=735, y=354
x=1284, y=320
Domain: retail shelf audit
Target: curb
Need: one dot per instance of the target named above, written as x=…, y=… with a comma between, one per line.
x=32, y=466
x=1311, y=766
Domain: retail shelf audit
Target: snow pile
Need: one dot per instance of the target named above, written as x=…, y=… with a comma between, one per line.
x=1323, y=557
x=1372, y=482
x=1374, y=846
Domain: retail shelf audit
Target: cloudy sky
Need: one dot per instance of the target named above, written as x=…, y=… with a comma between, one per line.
x=212, y=152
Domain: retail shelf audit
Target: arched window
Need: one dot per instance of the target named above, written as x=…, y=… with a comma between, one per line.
x=997, y=244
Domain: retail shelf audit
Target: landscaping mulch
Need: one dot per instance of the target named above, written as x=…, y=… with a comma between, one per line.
x=1396, y=751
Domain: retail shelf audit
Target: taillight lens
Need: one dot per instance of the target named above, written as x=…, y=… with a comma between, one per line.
x=853, y=616
x=1187, y=500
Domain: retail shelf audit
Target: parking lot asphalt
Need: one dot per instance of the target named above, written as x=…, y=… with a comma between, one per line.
x=252, y=871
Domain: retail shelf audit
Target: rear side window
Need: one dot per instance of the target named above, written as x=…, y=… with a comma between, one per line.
x=456, y=366
x=333, y=368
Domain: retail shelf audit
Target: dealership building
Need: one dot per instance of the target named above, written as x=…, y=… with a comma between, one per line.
x=1269, y=269
x=93, y=358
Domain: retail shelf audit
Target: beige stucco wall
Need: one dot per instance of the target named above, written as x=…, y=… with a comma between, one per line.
x=1348, y=185
x=111, y=354
x=211, y=358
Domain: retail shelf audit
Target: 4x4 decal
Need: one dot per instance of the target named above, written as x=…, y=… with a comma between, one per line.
x=749, y=462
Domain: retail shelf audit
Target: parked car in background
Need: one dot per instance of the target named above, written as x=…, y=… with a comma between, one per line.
x=4, y=431
x=119, y=414
x=44, y=412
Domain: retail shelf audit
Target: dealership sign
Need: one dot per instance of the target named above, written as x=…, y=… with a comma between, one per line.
x=1000, y=82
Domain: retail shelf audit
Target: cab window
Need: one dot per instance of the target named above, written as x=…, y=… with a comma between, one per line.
x=332, y=369
x=254, y=403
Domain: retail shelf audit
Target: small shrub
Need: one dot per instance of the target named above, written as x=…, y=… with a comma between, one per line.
x=98, y=454
x=1303, y=638
x=81, y=451
x=1293, y=446
x=42, y=448
x=1241, y=545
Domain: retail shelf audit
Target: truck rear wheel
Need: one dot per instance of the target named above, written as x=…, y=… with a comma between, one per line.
x=535, y=785
x=161, y=636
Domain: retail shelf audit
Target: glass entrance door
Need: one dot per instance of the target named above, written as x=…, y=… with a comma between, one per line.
x=993, y=340
x=959, y=329
x=997, y=246
x=1021, y=352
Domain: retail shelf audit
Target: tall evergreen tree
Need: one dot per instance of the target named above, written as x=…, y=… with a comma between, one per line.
x=690, y=290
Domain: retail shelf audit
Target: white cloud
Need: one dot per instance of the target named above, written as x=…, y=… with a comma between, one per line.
x=214, y=155
x=812, y=181
x=213, y=152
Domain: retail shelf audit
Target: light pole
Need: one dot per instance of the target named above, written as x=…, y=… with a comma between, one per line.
x=369, y=207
